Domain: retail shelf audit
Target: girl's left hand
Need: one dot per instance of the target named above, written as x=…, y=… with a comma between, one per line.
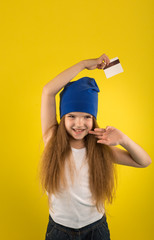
x=99, y=63
x=109, y=135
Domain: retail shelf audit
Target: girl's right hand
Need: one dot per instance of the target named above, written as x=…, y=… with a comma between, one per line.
x=99, y=63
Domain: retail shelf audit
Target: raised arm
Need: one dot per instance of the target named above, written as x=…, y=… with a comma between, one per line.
x=48, y=103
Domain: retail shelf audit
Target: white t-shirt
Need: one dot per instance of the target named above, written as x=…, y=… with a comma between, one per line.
x=74, y=207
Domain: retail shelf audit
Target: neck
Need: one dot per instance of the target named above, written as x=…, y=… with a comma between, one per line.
x=77, y=143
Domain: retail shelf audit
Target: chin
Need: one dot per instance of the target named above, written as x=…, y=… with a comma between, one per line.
x=81, y=137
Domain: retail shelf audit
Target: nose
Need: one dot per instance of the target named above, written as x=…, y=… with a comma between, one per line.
x=79, y=121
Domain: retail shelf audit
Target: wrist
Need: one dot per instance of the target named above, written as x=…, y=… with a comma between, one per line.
x=83, y=64
x=124, y=141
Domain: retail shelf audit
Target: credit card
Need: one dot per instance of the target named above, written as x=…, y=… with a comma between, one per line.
x=113, y=68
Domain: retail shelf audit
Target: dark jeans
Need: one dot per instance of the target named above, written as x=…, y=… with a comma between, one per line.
x=95, y=231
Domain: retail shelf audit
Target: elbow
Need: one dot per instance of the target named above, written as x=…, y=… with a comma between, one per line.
x=47, y=92
x=148, y=162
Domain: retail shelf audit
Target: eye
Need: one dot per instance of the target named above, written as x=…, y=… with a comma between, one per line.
x=71, y=116
x=88, y=116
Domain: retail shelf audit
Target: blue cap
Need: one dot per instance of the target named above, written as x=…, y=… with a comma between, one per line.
x=80, y=96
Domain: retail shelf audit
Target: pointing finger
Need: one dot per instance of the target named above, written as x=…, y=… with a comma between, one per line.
x=95, y=133
x=100, y=129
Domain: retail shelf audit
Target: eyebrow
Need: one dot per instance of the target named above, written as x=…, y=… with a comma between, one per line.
x=74, y=114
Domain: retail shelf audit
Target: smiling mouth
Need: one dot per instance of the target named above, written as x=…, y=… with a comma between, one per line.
x=78, y=130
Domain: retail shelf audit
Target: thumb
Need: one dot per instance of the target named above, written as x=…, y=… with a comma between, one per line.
x=108, y=127
x=101, y=65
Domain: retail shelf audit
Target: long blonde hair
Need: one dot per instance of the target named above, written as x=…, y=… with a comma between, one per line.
x=102, y=172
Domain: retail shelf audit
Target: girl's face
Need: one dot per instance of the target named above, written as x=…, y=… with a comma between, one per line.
x=78, y=124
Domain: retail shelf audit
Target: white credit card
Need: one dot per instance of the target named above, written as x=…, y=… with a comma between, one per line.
x=113, y=68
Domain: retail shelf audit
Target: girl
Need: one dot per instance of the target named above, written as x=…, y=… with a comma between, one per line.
x=77, y=168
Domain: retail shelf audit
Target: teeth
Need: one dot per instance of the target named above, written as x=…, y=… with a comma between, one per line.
x=78, y=130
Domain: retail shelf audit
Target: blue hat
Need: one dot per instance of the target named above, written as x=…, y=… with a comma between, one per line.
x=80, y=96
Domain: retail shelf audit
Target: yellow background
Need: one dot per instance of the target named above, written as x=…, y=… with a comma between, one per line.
x=40, y=39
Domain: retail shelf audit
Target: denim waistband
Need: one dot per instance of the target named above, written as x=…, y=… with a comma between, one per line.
x=83, y=229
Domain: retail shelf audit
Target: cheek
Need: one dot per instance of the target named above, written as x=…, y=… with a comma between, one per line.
x=67, y=124
x=90, y=124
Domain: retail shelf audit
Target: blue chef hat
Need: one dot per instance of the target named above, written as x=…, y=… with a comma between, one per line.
x=80, y=96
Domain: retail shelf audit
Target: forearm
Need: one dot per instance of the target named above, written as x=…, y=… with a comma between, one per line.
x=56, y=84
x=137, y=153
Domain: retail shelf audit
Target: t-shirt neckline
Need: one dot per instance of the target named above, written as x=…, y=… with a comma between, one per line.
x=78, y=149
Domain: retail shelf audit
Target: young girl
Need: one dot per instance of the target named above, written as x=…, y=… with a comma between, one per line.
x=77, y=168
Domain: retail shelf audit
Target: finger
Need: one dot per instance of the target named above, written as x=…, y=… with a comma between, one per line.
x=103, y=64
x=99, y=129
x=102, y=58
x=100, y=137
x=93, y=133
x=104, y=139
x=107, y=60
x=99, y=66
x=108, y=128
x=103, y=142
x=96, y=133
